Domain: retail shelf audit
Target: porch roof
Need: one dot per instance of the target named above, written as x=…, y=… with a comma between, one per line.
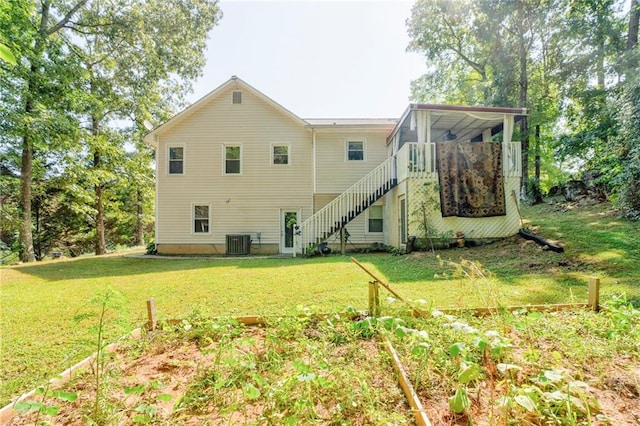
x=466, y=122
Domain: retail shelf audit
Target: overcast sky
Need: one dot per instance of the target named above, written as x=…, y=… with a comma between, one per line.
x=319, y=59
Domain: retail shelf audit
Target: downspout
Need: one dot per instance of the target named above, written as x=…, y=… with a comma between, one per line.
x=313, y=143
x=155, y=226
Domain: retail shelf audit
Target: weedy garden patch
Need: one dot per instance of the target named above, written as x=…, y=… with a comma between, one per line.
x=291, y=371
x=569, y=367
x=573, y=367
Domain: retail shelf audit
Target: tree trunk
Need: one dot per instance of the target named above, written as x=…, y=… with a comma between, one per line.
x=38, y=249
x=139, y=239
x=537, y=192
x=101, y=246
x=27, y=253
x=634, y=19
x=600, y=68
x=537, y=149
x=524, y=128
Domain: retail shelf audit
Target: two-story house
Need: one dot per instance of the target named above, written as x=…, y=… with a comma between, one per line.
x=237, y=173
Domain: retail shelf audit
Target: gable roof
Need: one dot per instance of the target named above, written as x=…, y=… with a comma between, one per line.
x=235, y=83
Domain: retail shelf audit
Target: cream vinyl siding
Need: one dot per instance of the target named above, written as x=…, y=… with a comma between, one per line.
x=392, y=214
x=333, y=172
x=239, y=204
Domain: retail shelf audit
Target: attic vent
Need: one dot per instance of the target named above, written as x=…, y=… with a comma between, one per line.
x=237, y=97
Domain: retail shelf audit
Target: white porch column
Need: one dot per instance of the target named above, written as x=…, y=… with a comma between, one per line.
x=424, y=140
x=507, y=134
x=422, y=125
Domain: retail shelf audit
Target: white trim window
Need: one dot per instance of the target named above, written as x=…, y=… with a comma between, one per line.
x=201, y=218
x=175, y=160
x=280, y=155
x=355, y=150
x=375, y=219
x=232, y=159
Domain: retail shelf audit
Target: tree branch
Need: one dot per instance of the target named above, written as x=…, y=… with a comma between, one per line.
x=66, y=17
x=458, y=50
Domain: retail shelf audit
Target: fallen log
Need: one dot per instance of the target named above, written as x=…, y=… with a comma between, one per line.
x=546, y=245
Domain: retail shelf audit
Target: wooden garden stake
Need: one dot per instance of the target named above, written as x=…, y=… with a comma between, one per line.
x=594, y=293
x=386, y=286
x=374, y=299
x=405, y=383
x=151, y=313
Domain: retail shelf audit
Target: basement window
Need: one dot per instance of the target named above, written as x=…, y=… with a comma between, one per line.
x=376, y=222
x=201, y=219
x=236, y=98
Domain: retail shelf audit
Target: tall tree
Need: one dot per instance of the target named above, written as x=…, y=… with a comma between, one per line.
x=484, y=52
x=592, y=68
x=34, y=99
x=83, y=67
x=628, y=115
x=131, y=62
x=450, y=35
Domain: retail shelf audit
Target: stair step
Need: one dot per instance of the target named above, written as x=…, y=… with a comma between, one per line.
x=345, y=219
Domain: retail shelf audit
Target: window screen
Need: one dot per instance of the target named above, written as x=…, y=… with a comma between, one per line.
x=176, y=160
x=232, y=160
x=280, y=154
x=355, y=150
x=376, y=218
x=200, y=219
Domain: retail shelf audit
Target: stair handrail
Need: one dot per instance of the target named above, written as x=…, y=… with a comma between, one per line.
x=356, y=195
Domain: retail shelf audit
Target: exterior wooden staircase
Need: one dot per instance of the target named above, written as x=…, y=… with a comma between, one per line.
x=347, y=206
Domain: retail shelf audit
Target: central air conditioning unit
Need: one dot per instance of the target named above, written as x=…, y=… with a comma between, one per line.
x=238, y=244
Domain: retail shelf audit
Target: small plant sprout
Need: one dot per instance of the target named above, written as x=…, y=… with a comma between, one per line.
x=46, y=406
x=108, y=310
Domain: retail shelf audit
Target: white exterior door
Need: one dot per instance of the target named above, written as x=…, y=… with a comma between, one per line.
x=288, y=219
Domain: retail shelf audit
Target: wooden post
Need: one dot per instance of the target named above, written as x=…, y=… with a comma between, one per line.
x=343, y=243
x=374, y=299
x=594, y=293
x=407, y=387
x=151, y=314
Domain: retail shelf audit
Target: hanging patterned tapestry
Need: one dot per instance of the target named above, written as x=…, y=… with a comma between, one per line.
x=471, y=180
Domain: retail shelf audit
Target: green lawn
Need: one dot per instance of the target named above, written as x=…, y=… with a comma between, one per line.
x=39, y=301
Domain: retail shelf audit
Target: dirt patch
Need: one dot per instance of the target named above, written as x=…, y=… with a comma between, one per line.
x=301, y=372
x=618, y=405
x=537, y=369
x=517, y=369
